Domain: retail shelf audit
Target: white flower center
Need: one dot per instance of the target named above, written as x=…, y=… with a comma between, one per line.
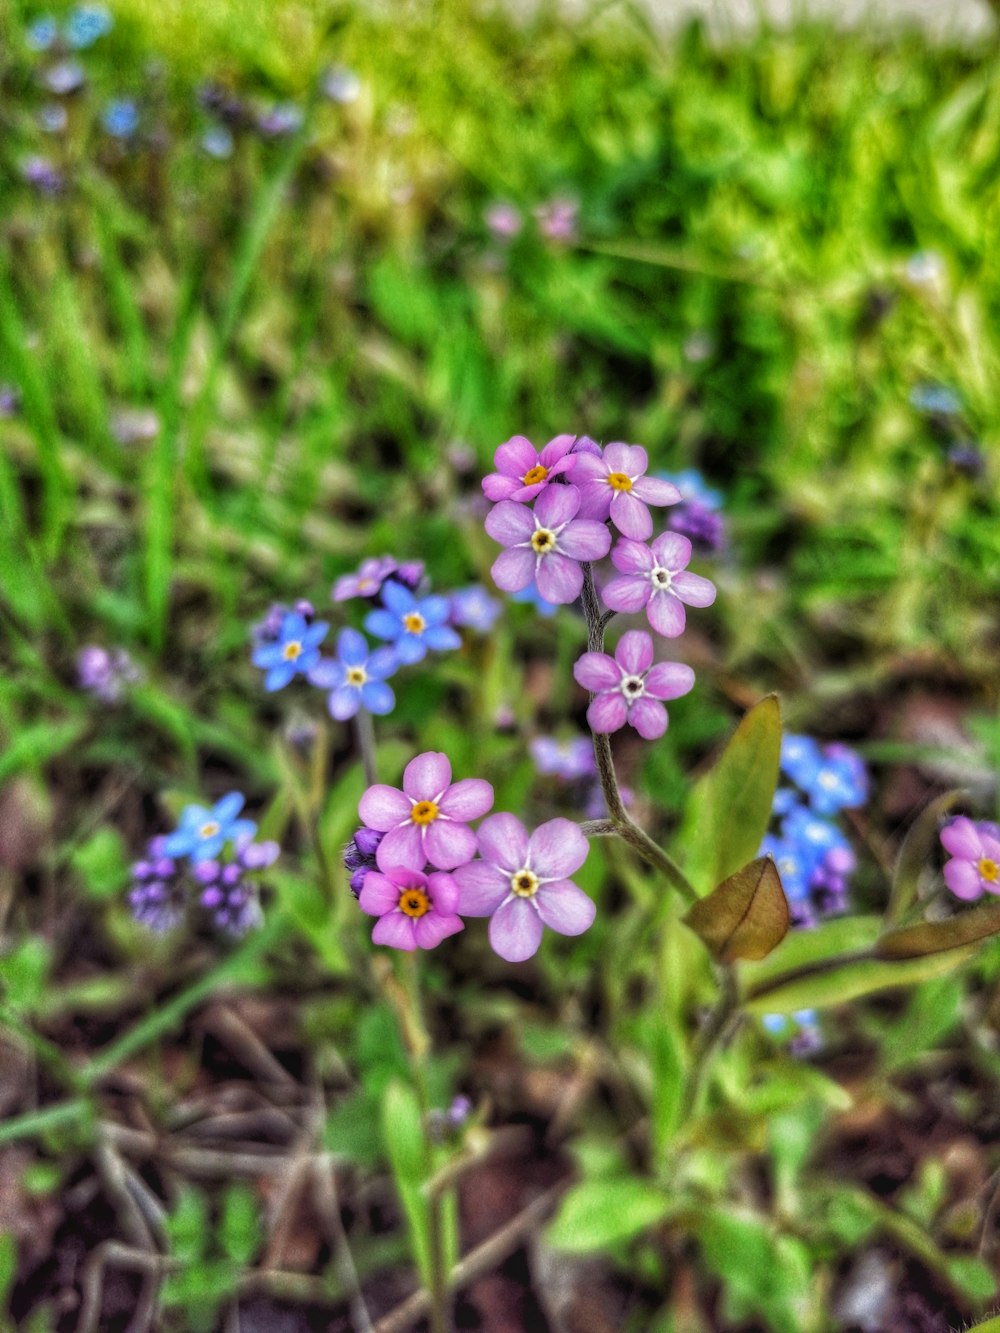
x=632, y=687
x=660, y=578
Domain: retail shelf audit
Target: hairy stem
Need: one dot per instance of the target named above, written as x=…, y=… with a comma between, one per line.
x=365, y=733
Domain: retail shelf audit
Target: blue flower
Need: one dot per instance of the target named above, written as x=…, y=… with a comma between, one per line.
x=810, y=832
x=533, y=597
x=936, y=400
x=474, y=608
x=357, y=677
x=412, y=624
x=795, y=864
x=121, y=118
x=800, y=757
x=202, y=833
x=86, y=24
x=217, y=142
x=294, y=652
x=694, y=488
x=41, y=34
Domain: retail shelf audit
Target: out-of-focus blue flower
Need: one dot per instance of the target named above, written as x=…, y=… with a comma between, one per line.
x=800, y=757
x=810, y=831
x=42, y=33
x=340, y=84
x=570, y=760
x=52, y=118
x=281, y=120
x=201, y=833
x=532, y=597
x=801, y=1029
x=356, y=678
x=121, y=117
x=795, y=865
x=412, y=624
x=834, y=777
x=64, y=77
x=694, y=488
x=936, y=400
x=294, y=652
x=86, y=25
x=217, y=142
x=474, y=608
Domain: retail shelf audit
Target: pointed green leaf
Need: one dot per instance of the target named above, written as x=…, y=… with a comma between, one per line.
x=855, y=978
x=915, y=853
x=746, y=916
x=930, y=937
x=730, y=808
x=403, y=1133
x=599, y=1213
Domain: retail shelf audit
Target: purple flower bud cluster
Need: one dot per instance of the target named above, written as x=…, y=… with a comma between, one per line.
x=359, y=856
x=106, y=674
x=157, y=896
x=697, y=517
x=226, y=895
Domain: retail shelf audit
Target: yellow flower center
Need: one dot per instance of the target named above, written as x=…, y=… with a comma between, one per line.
x=414, y=902
x=534, y=475
x=618, y=481
x=209, y=829
x=424, y=812
x=542, y=540
x=292, y=651
x=356, y=675
x=989, y=870
x=414, y=623
x=524, y=883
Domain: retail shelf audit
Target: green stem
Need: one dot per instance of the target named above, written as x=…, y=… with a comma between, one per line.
x=365, y=733
x=709, y=1040
x=623, y=824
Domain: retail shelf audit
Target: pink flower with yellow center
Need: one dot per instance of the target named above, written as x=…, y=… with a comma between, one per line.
x=426, y=822
x=974, y=868
x=546, y=546
x=615, y=486
x=522, y=472
x=414, y=910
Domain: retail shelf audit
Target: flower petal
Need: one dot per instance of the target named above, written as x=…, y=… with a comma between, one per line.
x=431, y=929
x=516, y=457
x=382, y=663
x=655, y=491
x=435, y=610
x=497, y=487
x=447, y=844
x=395, y=930
x=410, y=648
x=632, y=557
x=441, y=638
x=628, y=593
x=963, y=879
x=383, y=807
x=327, y=674
x=514, y=569
x=693, y=589
x=666, y=614
x=557, y=505
x=585, y=539
x=671, y=551
x=597, y=671
x=378, y=697
x=509, y=523
x=556, y=849
x=352, y=647
x=379, y=895
x=344, y=702
x=565, y=908
x=397, y=598
x=427, y=776
x=503, y=841
x=630, y=516
x=557, y=449
x=515, y=930
x=607, y=713
x=278, y=677
x=482, y=887
x=383, y=624
x=559, y=578
x=649, y=718
x=634, y=653
x=961, y=838
x=467, y=799
x=443, y=892
x=669, y=680
x=401, y=846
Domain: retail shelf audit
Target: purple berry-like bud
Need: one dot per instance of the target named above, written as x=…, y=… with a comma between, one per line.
x=367, y=841
x=585, y=445
x=268, y=629
x=306, y=610
x=206, y=872
x=357, y=880
x=410, y=573
x=259, y=855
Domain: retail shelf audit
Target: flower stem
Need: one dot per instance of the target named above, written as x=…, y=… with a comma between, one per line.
x=365, y=733
x=709, y=1039
x=624, y=825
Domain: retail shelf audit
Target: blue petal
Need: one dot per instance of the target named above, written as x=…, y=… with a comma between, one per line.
x=315, y=634
x=397, y=598
x=268, y=655
x=382, y=663
x=378, y=698
x=226, y=810
x=207, y=848
x=441, y=637
x=344, y=702
x=307, y=661
x=383, y=624
x=435, y=610
x=352, y=647
x=241, y=828
x=410, y=648
x=326, y=674
x=279, y=676
x=179, y=843
x=192, y=816
x=293, y=627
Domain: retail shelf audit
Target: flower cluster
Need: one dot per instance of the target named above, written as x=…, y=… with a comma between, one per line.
x=813, y=856
x=556, y=219
x=431, y=868
x=698, y=516
x=202, y=869
x=105, y=673
x=974, y=851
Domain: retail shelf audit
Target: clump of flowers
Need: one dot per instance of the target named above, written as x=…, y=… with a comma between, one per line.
x=106, y=673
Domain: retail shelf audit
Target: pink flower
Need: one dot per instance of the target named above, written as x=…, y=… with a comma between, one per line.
x=628, y=688
x=503, y=220
x=975, y=864
x=426, y=822
x=414, y=910
x=521, y=883
x=545, y=546
x=656, y=577
x=523, y=472
x=615, y=487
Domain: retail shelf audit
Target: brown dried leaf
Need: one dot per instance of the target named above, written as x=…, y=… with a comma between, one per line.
x=746, y=916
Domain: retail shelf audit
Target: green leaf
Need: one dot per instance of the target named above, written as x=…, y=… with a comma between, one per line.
x=761, y=1271
x=730, y=808
x=746, y=916
x=931, y=937
x=24, y=973
x=33, y=746
x=852, y=980
x=409, y=1156
x=914, y=855
x=801, y=948
x=598, y=1213
x=187, y=1226
x=240, y=1232
x=101, y=864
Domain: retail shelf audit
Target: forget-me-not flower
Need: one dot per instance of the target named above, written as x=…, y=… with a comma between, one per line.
x=202, y=833
x=356, y=677
x=294, y=652
x=412, y=624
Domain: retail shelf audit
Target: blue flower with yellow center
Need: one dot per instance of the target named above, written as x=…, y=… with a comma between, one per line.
x=202, y=833
x=412, y=624
x=294, y=652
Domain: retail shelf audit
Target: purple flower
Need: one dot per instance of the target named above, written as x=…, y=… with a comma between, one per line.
x=547, y=545
x=570, y=760
x=10, y=401
x=557, y=219
x=366, y=581
x=64, y=77
x=280, y=120
x=656, y=577
x=414, y=910
x=359, y=856
x=585, y=445
x=503, y=221
x=628, y=688
x=474, y=608
x=295, y=651
x=356, y=679
x=227, y=895
x=412, y=624
x=615, y=486
x=201, y=834
x=426, y=822
x=522, y=472
x=157, y=896
x=522, y=883
x=974, y=867
x=40, y=173
x=106, y=674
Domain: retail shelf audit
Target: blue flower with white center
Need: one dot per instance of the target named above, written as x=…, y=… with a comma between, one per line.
x=121, y=118
x=412, y=624
x=41, y=34
x=795, y=865
x=812, y=833
x=532, y=597
x=202, y=833
x=356, y=678
x=474, y=608
x=217, y=142
x=294, y=652
x=86, y=24
x=800, y=757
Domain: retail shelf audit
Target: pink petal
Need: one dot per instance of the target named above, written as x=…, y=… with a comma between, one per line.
x=514, y=569
x=654, y=491
x=516, y=457
x=525, y=494
x=963, y=879
x=585, y=539
x=666, y=614
x=443, y=892
x=565, y=907
x=669, y=680
x=556, y=451
x=503, y=841
x=395, y=930
x=632, y=557
x=634, y=653
x=401, y=846
x=628, y=593
x=515, y=930
x=693, y=589
x=606, y=713
x=589, y=468
x=467, y=799
x=509, y=523
x=630, y=516
x=991, y=848
x=383, y=807
x=559, y=579
x=447, y=845
x=672, y=551
x=556, y=849
x=562, y=467
x=427, y=776
x=961, y=838
x=557, y=506
x=595, y=499
x=431, y=929
x=378, y=894
x=597, y=671
x=481, y=888
x=617, y=457
x=649, y=718
x=497, y=487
